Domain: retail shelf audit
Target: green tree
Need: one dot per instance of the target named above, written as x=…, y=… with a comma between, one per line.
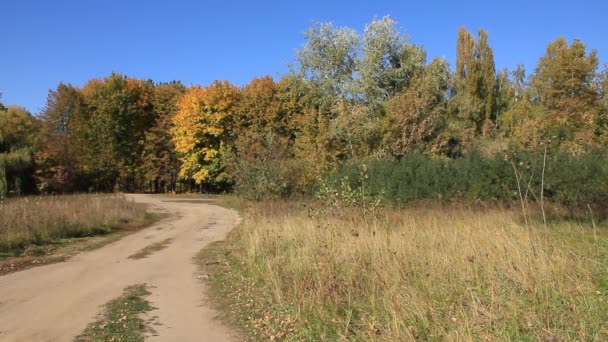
x=328, y=59
x=259, y=109
x=505, y=94
x=519, y=82
x=474, y=102
x=2, y=107
x=18, y=131
x=388, y=62
x=486, y=81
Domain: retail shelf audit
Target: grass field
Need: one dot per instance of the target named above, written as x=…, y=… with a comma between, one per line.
x=296, y=272
x=28, y=223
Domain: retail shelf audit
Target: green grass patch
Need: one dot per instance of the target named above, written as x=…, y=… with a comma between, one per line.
x=121, y=320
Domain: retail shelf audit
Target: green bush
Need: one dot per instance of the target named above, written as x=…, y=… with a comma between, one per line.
x=262, y=167
x=577, y=182
x=266, y=179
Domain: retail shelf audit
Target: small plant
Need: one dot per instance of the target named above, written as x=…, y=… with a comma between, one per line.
x=349, y=192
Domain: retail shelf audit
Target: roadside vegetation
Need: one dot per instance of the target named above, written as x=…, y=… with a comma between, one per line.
x=350, y=97
x=33, y=225
x=121, y=320
x=456, y=202
x=446, y=272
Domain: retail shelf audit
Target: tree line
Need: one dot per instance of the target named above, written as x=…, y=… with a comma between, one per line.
x=350, y=97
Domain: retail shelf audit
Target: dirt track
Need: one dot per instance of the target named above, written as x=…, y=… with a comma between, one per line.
x=56, y=302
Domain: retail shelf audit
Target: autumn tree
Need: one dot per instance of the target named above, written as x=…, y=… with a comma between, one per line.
x=160, y=163
x=261, y=114
x=564, y=81
x=118, y=111
x=63, y=129
x=308, y=134
x=523, y=123
x=522, y=118
x=417, y=115
x=258, y=108
x=261, y=156
x=603, y=109
x=201, y=130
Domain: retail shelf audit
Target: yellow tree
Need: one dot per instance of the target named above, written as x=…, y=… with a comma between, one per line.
x=201, y=129
x=564, y=80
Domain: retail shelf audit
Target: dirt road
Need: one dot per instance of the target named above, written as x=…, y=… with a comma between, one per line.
x=56, y=302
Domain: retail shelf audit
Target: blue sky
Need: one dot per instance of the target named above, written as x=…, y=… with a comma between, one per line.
x=47, y=42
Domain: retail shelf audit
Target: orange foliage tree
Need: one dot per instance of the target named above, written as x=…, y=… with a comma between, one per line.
x=201, y=130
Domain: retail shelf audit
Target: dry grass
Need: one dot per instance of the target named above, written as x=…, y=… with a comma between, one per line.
x=416, y=274
x=35, y=221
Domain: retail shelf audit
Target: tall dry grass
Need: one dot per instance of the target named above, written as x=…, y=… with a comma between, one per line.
x=421, y=274
x=40, y=220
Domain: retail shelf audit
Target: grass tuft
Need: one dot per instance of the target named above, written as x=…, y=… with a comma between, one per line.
x=121, y=319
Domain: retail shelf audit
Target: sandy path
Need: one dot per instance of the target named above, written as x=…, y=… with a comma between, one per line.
x=56, y=302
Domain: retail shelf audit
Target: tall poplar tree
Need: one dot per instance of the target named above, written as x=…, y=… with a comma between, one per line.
x=475, y=97
x=485, y=81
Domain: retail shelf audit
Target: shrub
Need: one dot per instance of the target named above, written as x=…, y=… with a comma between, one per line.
x=262, y=167
x=577, y=182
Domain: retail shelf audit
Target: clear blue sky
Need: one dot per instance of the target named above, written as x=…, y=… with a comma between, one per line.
x=43, y=43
